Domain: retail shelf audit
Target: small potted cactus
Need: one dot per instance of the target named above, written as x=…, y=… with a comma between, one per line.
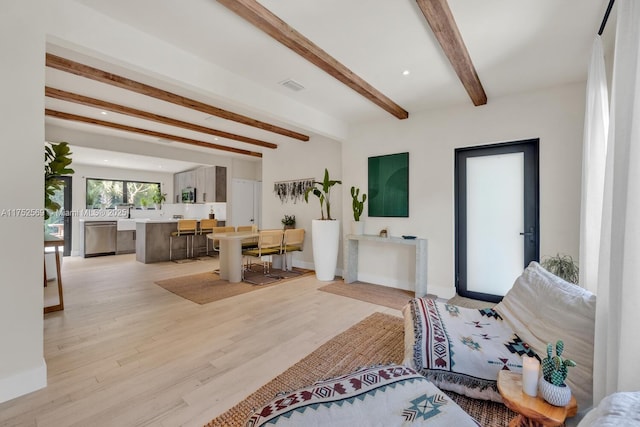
x=357, y=226
x=554, y=373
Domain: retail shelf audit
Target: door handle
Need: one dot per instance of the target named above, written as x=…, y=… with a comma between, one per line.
x=531, y=233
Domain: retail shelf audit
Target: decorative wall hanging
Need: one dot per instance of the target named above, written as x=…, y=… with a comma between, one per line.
x=292, y=190
x=389, y=185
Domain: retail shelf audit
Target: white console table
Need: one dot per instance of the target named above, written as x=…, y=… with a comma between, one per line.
x=351, y=257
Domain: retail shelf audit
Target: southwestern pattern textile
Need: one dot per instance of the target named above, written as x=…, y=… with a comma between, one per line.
x=461, y=349
x=388, y=395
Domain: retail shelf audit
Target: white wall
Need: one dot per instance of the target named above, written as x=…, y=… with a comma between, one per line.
x=555, y=116
x=297, y=160
x=22, y=366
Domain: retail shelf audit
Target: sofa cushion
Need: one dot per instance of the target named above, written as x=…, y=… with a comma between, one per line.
x=616, y=410
x=386, y=395
x=461, y=349
x=542, y=308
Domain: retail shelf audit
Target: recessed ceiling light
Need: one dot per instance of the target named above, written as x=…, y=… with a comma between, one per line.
x=216, y=138
x=104, y=113
x=105, y=160
x=406, y=72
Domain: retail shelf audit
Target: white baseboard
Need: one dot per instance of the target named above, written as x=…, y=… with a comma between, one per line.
x=23, y=382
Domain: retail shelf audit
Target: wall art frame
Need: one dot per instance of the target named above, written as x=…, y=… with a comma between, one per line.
x=389, y=185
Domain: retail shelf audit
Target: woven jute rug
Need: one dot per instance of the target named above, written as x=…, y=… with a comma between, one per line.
x=376, y=294
x=207, y=287
x=469, y=303
x=377, y=339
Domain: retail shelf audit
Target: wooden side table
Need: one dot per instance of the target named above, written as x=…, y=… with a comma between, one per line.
x=533, y=411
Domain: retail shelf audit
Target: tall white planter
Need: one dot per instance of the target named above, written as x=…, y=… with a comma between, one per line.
x=326, y=239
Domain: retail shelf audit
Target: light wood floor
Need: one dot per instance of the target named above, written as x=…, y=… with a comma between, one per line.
x=126, y=352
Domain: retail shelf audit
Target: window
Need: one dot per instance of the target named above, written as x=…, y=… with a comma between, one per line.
x=108, y=194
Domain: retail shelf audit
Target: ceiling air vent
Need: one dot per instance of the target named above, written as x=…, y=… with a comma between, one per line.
x=292, y=84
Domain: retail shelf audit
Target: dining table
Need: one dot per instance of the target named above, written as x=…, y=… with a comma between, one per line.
x=231, y=253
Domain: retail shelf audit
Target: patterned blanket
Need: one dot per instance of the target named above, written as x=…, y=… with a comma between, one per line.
x=462, y=349
x=389, y=395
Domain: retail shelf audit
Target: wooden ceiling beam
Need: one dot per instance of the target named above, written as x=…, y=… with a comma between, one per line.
x=263, y=19
x=96, y=74
x=125, y=128
x=121, y=109
x=445, y=29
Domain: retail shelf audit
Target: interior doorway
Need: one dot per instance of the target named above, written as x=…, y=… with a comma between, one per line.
x=59, y=223
x=246, y=202
x=497, y=225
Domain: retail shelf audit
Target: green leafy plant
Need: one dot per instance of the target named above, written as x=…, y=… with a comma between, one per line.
x=322, y=190
x=56, y=162
x=555, y=368
x=158, y=197
x=289, y=220
x=562, y=266
x=358, y=205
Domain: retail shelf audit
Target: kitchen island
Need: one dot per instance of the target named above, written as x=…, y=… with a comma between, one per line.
x=153, y=238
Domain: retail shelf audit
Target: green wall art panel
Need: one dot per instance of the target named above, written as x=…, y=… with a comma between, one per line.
x=389, y=185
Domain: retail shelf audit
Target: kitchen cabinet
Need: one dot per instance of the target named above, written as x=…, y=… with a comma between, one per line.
x=181, y=181
x=210, y=184
x=126, y=242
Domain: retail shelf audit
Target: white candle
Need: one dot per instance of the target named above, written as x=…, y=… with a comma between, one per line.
x=530, y=372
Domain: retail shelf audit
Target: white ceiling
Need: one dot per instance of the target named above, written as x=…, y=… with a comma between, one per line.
x=516, y=46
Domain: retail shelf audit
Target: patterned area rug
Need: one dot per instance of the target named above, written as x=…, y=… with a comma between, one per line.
x=204, y=288
x=377, y=339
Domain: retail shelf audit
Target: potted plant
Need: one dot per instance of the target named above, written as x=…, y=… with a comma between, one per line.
x=554, y=374
x=289, y=221
x=325, y=231
x=562, y=266
x=56, y=162
x=357, y=226
x=158, y=198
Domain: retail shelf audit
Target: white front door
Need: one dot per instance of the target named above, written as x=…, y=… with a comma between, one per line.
x=497, y=225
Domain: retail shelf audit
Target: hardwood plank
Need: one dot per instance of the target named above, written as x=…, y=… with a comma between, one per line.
x=82, y=70
x=127, y=352
x=263, y=19
x=111, y=125
x=445, y=29
x=133, y=112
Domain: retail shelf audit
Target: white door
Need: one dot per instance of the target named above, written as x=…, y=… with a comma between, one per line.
x=496, y=217
x=245, y=202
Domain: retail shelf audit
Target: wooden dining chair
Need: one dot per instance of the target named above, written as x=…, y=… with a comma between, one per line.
x=222, y=229
x=269, y=244
x=293, y=241
x=251, y=242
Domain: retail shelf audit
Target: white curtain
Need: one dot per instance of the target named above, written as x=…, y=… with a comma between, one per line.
x=617, y=340
x=596, y=126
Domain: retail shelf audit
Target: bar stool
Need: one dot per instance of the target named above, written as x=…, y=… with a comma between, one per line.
x=186, y=228
x=206, y=227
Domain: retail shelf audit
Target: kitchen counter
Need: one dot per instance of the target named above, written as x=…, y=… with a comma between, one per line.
x=152, y=240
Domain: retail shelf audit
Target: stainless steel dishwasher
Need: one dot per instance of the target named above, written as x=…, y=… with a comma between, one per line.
x=100, y=238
